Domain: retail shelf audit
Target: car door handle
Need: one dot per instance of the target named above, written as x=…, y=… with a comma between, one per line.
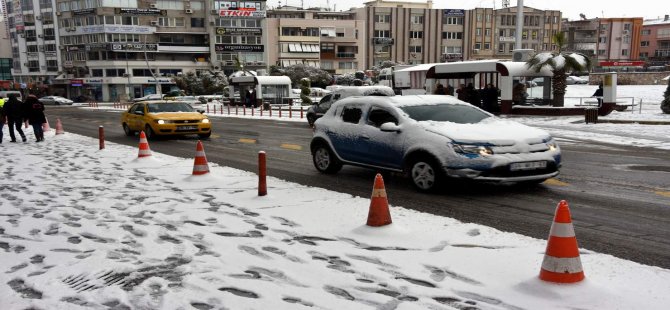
x=366, y=137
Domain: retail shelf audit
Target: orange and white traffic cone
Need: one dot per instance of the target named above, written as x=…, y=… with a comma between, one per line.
x=379, y=214
x=144, y=146
x=59, y=127
x=200, y=165
x=561, y=262
x=45, y=126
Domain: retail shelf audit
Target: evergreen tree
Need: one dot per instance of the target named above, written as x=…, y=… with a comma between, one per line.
x=665, y=105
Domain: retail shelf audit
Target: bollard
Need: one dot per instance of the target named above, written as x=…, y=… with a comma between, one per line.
x=236, y=110
x=252, y=111
x=270, y=111
x=262, y=174
x=280, y=111
x=301, y=113
x=208, y=109
x=228, y=109
x=591, y=115
x=101, y=136
x=262, y=108
x=290, y=112
x=244, y=110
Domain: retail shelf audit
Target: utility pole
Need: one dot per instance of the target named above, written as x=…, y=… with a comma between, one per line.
x=519, y=24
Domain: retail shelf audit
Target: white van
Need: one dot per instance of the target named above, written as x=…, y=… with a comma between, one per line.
x=339, y=92
x=5, y=94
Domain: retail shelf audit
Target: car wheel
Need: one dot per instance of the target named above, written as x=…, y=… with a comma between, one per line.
x=149, y=132
x=425, y=173
x=127, y=130
x=325, y=160
x=311, y=118
x=205, y=135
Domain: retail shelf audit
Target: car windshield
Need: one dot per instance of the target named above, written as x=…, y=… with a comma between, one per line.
x=455, y=113
x=169, y=107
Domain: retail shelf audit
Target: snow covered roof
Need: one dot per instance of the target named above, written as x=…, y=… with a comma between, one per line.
x=467, y=69
x=263, y=80
x=421, y=67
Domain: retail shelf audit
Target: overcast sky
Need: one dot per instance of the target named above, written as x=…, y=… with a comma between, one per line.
x=570, y=8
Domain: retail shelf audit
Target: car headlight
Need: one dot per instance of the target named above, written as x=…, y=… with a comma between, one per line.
x=205, y=121
x=160, y=121
x=552, y=145
x=472, y=150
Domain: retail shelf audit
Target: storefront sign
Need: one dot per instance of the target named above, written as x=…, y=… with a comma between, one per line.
x=621, y=63
x=160, y=81
x=238, y=48
x=507, y=39
x=84, y=12
x=117, y=29
x=92, y=81
x=142, y=12
x=238, y=13
x=133, y=47
x=97, y=47
x=238, y=31
x=76, y=82
x=453, y=12
x=74, y=48
x=67, y=64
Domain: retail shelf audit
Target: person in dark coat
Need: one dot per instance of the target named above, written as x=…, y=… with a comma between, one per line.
x=462, y=93
x=2, y=117
x=450, y=90
x=14, y=112
x=490, y=98
x=599, y=94
x=474, y=98
x=36, y=116
x=439, y=90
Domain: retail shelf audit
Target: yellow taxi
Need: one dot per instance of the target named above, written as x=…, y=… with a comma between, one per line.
x=160, y=117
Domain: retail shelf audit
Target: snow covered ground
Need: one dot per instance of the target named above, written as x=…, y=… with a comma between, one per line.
x=82, y=228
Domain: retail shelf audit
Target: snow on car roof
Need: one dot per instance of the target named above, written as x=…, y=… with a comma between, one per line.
x=405, y=101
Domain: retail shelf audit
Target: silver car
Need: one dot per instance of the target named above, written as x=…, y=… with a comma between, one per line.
x=431, y=138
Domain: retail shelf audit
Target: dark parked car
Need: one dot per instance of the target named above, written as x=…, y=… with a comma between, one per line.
x=340, y=92
x=431, y=138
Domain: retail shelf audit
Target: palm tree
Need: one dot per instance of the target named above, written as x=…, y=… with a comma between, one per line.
x=560, y=63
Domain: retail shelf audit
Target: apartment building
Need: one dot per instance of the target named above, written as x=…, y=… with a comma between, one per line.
x=332, y=41
x=34, y=52
x=619, y=41
x=582, y=36
x=6, y=62
x=493, y=32
x=240, y=39
x=655, y=42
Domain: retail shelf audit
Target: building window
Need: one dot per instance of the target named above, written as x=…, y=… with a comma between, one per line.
x=524, y=35
x=646, y=32
x=382, y=18
x=626, y=39
x=501, y=48
x=488, y=18
x=452, y=35
x=198, y=22
x=328, y=47
x=624, y=52
x=478, y=46
x=453, y=21
x=415, y=49
x=487, y=31
x=602, y=40
x=601, y=52
x=416, y=34
x=644, y=43
x=478, y=31
x=382, y=34
x=626, y=26
x=479, y=17
x=347, y=65
x=487, y=46
x=417, y=19
x=644, y=55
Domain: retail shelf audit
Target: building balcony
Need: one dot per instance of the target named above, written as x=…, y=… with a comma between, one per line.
x=382, y=41
x=345, y=55
x=163, y=48
x=299, y=39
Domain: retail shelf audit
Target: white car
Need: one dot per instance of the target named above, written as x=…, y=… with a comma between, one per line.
x=432, y=139
x=149, y=97
x=55, y=100
x=570, y=80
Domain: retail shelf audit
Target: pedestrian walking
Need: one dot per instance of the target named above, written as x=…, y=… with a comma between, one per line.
x=36, y=116
x=450, y=90
x=599, y=94
x=2, y=116
x=462, y=93
x=14, y=112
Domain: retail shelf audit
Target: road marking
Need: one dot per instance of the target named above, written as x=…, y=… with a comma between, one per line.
x=248, y=141
x=294, y=147
x=662, y=193
x=215, y=136
x=553, y=181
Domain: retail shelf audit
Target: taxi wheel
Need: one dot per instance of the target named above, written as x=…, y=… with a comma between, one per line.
x=149, y=132
x=127, y=130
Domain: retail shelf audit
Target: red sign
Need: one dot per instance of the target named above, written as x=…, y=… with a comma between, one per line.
x=238, y=13
x=621, y=63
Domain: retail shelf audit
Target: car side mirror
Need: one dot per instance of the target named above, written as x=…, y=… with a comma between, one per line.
x=201, y=111
x=389, y=127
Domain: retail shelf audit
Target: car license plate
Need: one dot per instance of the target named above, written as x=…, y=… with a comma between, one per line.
x=530, y=165
x=187, y=128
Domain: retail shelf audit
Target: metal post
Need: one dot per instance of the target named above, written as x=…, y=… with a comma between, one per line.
x=262, y=175
x=519, y=24
x=101, y=136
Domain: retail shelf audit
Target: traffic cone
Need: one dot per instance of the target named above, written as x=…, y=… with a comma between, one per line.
x=59, y=127
x=379, y=214
x=45, y=126
x=561, y=262
x=200, y=165
x=144, y=146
